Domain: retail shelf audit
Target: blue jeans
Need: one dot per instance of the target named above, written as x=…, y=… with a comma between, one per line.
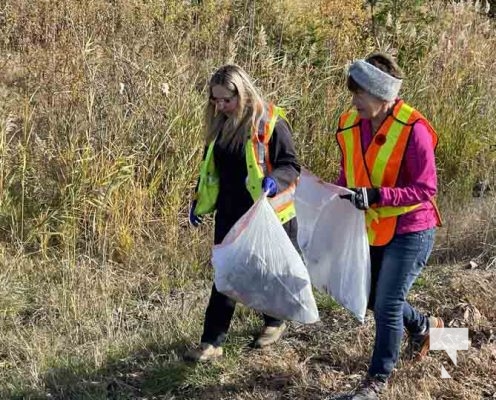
x=395, y=267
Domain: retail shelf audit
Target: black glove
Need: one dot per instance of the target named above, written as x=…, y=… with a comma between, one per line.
x=362, y=198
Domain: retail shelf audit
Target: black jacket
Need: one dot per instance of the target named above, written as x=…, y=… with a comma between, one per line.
x=230, y=161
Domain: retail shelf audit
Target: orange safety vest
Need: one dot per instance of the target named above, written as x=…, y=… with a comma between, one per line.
x=379, y=165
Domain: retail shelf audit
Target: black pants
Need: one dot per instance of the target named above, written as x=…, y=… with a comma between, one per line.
x=220, y=308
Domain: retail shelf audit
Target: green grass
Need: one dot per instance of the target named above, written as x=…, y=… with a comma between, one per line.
x=325, y=302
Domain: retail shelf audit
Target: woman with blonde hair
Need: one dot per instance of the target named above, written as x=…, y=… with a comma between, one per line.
x=249, y=151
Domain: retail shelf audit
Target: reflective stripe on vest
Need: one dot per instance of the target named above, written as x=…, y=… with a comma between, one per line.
x=379, y=165
x=208, y=187
x=258, y=166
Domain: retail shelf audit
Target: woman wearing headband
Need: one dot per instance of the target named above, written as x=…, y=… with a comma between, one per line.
x=388, y=162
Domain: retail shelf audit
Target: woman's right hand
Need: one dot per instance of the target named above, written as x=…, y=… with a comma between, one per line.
x=362, y=198
x=194, y=220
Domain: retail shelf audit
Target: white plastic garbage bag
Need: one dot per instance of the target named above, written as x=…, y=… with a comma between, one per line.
x=333, y=238
x=257, y=265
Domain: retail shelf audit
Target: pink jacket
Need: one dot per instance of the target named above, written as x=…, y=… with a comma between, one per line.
x=417, y=180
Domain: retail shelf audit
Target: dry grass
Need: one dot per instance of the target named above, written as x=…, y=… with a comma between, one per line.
x=129, y=343
x=103, y=284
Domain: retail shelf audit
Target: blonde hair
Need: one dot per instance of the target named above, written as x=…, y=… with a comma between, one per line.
x=248, y=113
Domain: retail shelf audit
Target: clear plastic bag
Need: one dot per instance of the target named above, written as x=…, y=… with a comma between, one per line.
x=333, y=238
x=257, y=265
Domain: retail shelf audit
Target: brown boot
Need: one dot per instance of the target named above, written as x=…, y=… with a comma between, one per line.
x=269, y=335
x=419, y=344
x=206, y=352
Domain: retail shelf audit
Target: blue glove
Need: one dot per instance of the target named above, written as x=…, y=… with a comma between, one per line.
x=194, y=219
x=269, y=186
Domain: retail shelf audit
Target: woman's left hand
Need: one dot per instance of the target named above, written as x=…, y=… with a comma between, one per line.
x=194, y=220
x=269, y=186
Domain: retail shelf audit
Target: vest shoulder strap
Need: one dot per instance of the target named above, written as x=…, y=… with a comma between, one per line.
x=404, y=113
x=408, y=115
x=348, y=120
x=268, y=122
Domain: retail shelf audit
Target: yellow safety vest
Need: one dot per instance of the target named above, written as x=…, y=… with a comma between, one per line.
x=258, y=166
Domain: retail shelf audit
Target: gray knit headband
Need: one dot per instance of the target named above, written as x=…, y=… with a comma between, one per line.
x=375, y=81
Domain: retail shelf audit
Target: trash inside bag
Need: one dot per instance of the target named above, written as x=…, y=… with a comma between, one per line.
x=333, y=239
x=257, y=265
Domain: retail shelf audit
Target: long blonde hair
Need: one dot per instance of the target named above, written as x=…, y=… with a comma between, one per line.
x=248, y=113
